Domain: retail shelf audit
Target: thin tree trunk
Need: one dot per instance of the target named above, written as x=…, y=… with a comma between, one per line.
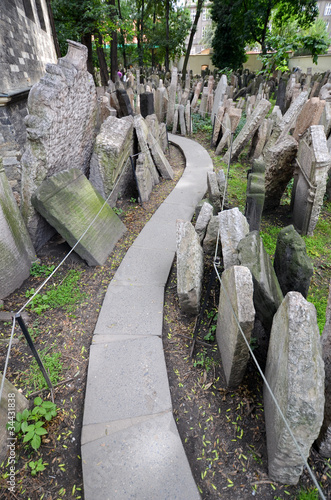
x=104, y=75
x=166, y=62
x=122, y=34
x=141, y=36
x=87, y=40
x=113, y=49
x=153, y=49
x=190, y=42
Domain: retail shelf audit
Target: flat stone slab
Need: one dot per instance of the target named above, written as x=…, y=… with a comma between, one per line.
x=134, y=384
x=141, y=306
x=69, y=202
x=141, y=459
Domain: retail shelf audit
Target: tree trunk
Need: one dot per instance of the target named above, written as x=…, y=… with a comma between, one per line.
x=166, y=62
x=113, y=48
x=122, y=34
x=104, y=75
x=190, y=42
x=141, y=36
x=87, y=40
x=153, y=49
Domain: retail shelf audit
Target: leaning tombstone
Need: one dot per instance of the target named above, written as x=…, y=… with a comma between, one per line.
x=70, y=204
x=144, y=177
x=203, y=219
x=219, y=95
x=124, y=103
x=255, y=195
x=310, y=115
x=292, y=265
x=295, y=374
x=17, y=252
x=267, y=292
x=211, y=237
x=189, y=267
x=146, y=104
x=233, y=228
x=324, y=438
x=213, y=191
x=142, y=134
x=236, y=299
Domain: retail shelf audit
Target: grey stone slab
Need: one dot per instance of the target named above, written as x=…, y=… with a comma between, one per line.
x=143, y=461
x=131, y=310
x=145, y=266
x=126, y=379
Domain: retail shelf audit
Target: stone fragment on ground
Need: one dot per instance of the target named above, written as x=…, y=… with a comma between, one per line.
x=292, y=265
x=17, y=252
x=203, y=219
x=236, y=297
x=295, y=374
x=233, y=227
x=267, y=292
x=69, y=202
x=189, y=267
x=210, y=239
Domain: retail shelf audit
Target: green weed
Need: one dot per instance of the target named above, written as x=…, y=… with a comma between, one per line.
x=307, y=494
x=200, y=124
x=269, y=237
x=52, y=365
x=37, y=466
x=38, y=270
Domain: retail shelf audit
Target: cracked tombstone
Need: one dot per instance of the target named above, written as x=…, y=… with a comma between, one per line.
x=267, y=292
x=233, y=227
x=237, y=290
x=70, y=203
x=189, y=267
x=295, y=374
x=292, y=265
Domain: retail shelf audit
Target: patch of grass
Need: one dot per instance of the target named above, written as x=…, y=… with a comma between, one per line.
x=53, y=366
x=38, y=270
x=241, y=124
x=307, y=494
x=319, y=297
x=66, y=294
x=200, y=124
x=269, y=237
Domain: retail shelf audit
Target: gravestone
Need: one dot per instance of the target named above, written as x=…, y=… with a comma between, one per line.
x=125, y=108
x=144, y=177
x=146, y=104
x=292, y=265
x=279, y=169
x=189, y=267
x=213, y=191
x=236, y=297
x=60, y=130
x=175, y=122
x=259, y=139
x=196, y=96
x=142, y=134
x=112, y=148
x=181, y=119
x=310, y=179
x=281, y=91
x=295, y=374
x=203, y=102
x=218, y=118
x=255, y=195
x=188, y=119
x=219, y=95
x=325, y=119
x=210, y=239
x=310, y=115
x=233, y=227
x=203, y=219
x=324, y=438
x=159, y=104
x=249, y=129
x=17, y=252
x=267, y=292
x=172, y=97
x=70, y=203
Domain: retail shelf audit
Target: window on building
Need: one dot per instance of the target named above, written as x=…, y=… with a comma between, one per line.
x=327, y=10
x=28, y=10
x=203, y=31
x=204, y=14
x=193, y=15
x=40, y=15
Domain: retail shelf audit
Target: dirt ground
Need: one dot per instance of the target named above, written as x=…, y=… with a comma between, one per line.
x=222, y=431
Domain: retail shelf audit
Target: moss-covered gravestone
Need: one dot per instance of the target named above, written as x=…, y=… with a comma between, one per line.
x=17, y=252
x=69, y=202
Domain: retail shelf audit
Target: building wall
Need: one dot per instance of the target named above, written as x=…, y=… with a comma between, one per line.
x=324, y=8
x=26, y=46
x=204, y=21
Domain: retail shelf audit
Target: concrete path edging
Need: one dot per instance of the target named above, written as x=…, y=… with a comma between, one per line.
x=130, y=445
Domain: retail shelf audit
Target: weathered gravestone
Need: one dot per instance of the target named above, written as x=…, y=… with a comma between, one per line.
x=310, y=115
x=236, y=297
x=324, y=438
x=144, y=177
x=203, y=219
x=172, y=97
x=60, y=130
x=292, y=264
x=210, y=239
x=255, y=195
x=11, y=400
x=159, y=103
x=189, y=267
x=267, y=292
x=213, y=192
x=295, y=374
x=17, y=252
x=70, y=203
x=146, y=104
x=233, y=227
x=310, y=179
x=142, y=134
x=110, y=159
x=219, y=95
x=279, y=168
x=249, y=129
x=125, y=108
x=325, y=119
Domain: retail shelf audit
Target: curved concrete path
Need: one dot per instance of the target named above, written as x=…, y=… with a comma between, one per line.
x=130, y=445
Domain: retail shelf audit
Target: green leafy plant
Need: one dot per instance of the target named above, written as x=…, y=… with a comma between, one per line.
x=117, y=211
x=310, y=494
x=65, y=294
x=133, y=200
x=29, y=424
x=37, y=466
x=38, y=270
x=203, y=361
x=200, y=124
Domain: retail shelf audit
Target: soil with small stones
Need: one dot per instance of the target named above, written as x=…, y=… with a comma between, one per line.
x=222, y=431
